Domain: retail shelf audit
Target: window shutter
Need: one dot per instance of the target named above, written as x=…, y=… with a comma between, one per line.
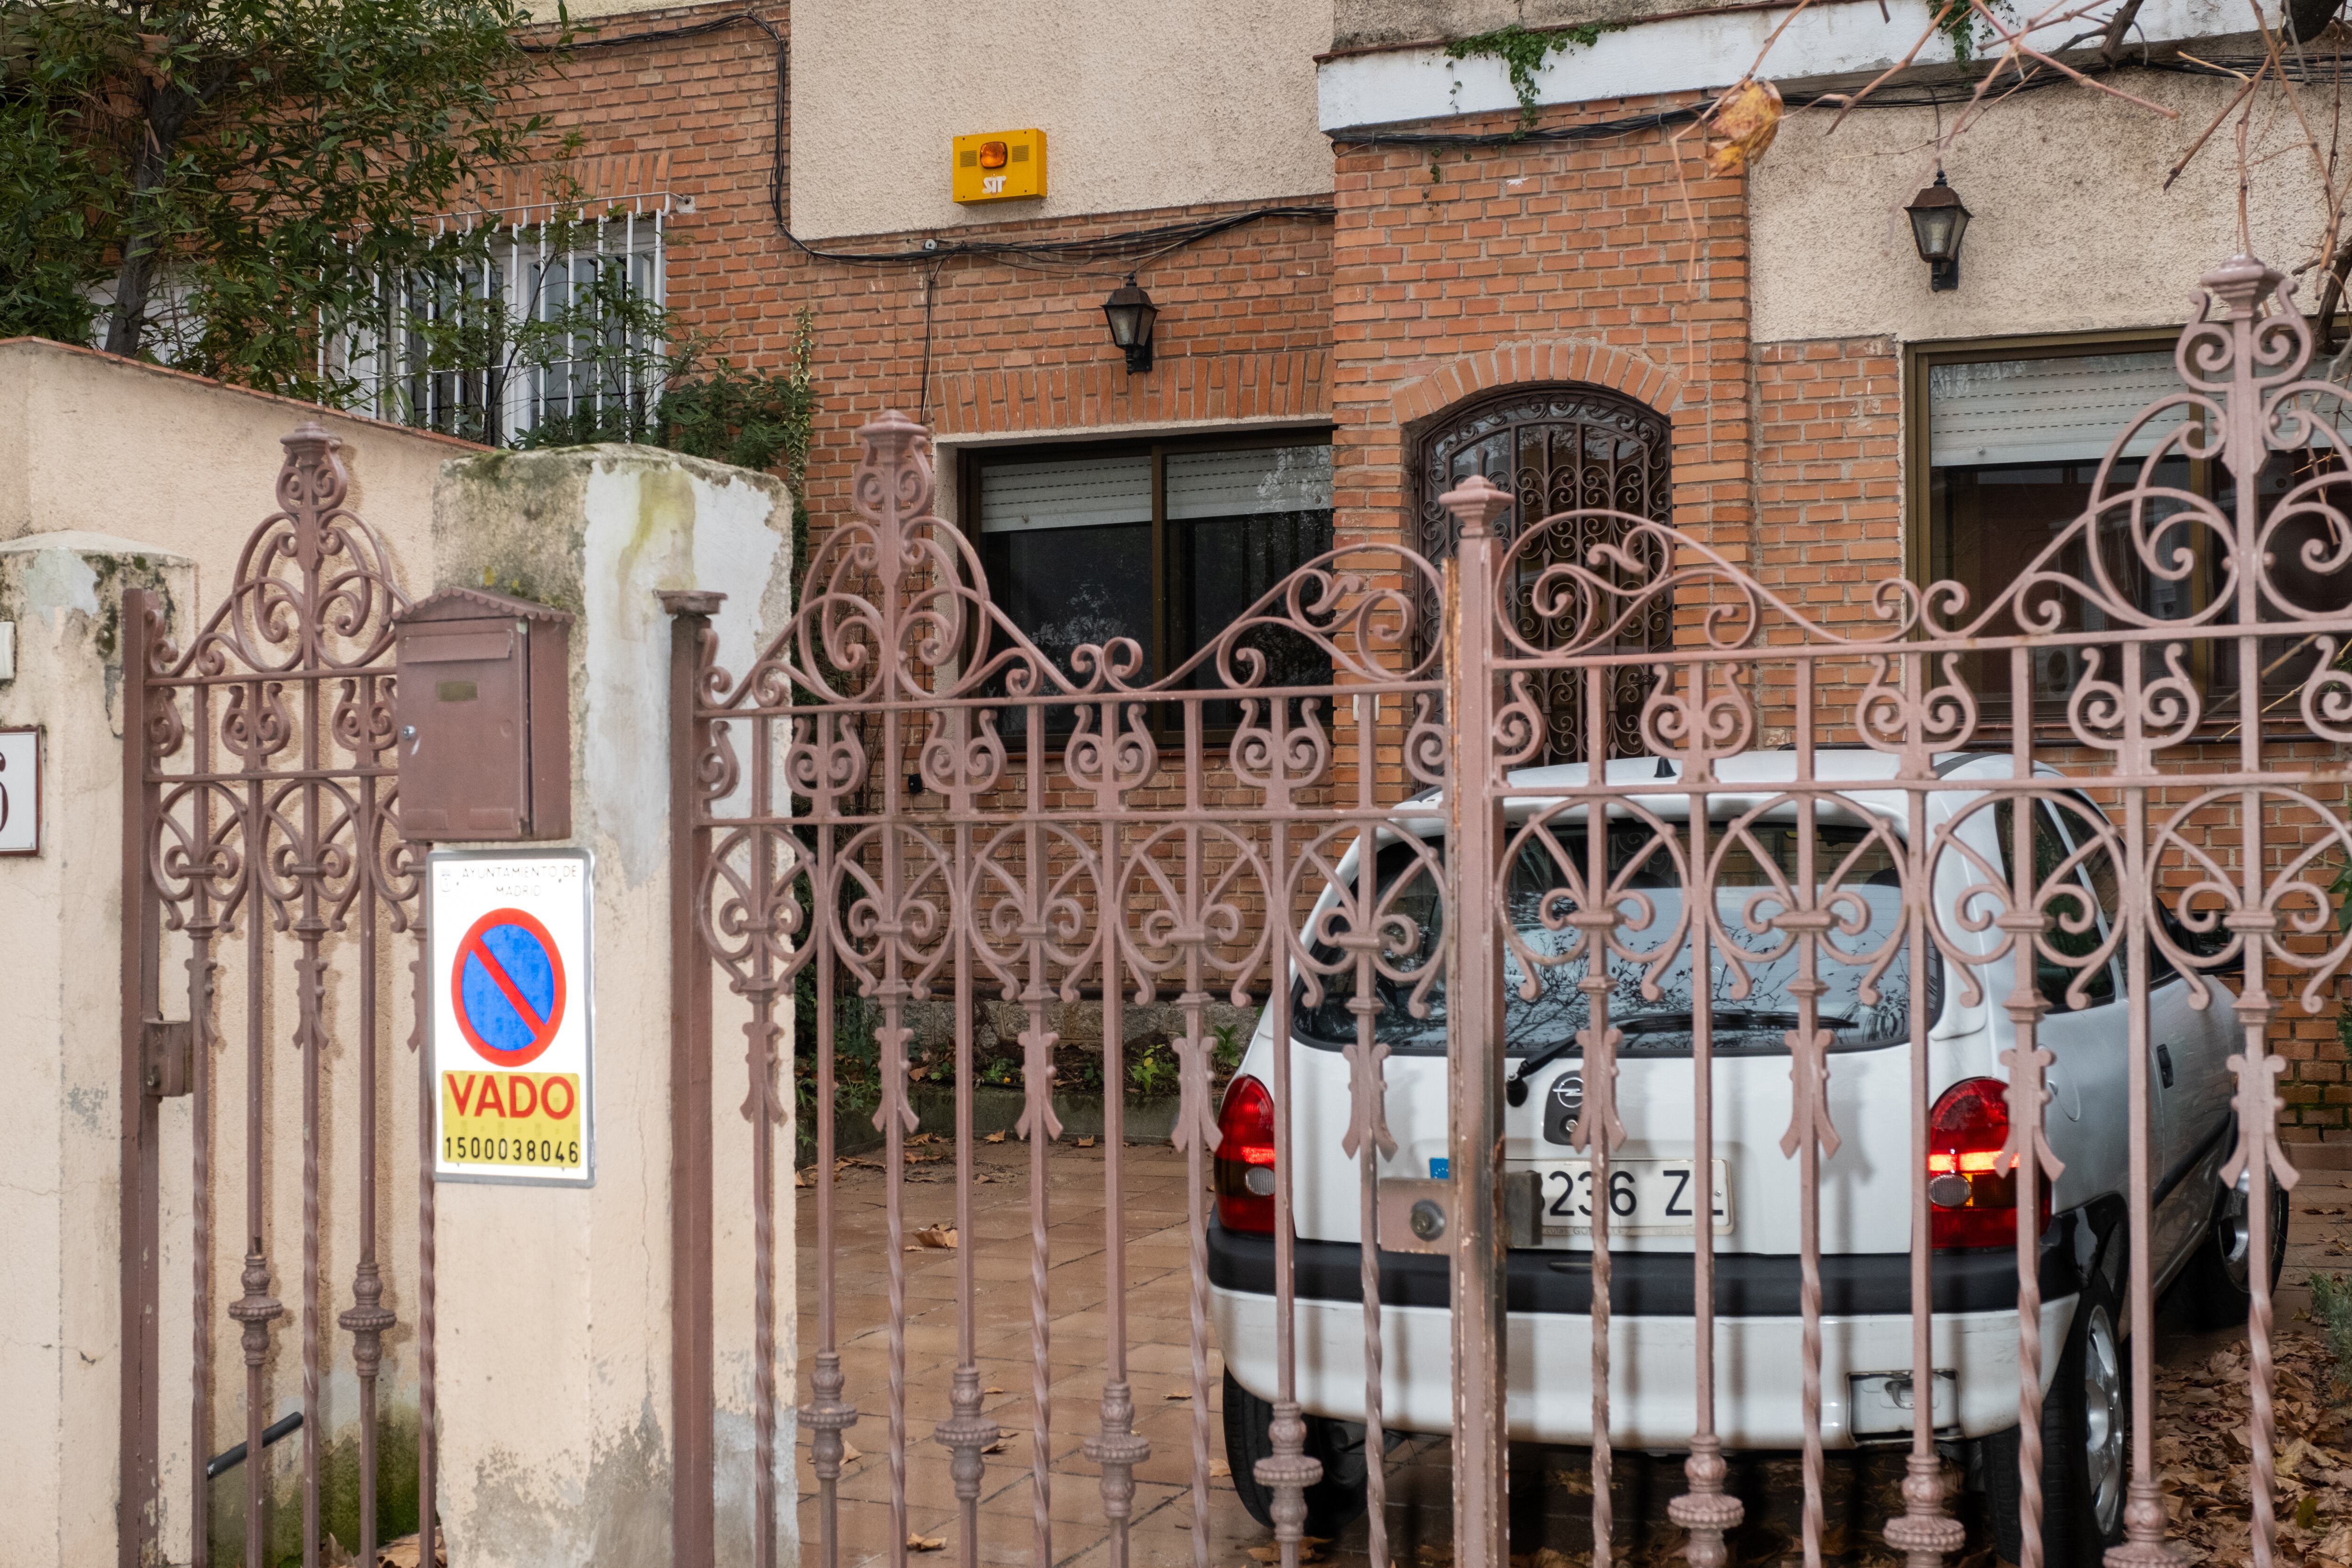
x=2045, y=410
x=1015, y=498
x=1250, y=483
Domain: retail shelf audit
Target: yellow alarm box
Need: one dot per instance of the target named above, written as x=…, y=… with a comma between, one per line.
x=999, y=165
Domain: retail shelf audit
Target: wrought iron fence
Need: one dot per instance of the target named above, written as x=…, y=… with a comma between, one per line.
x=862, y=802
x=261, y=826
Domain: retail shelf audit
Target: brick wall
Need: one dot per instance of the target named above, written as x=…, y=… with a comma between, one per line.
x=1460, y=271
x=974, y=346
x=1442, y=276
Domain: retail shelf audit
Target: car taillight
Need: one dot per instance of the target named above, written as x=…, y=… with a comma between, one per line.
x=1245, y=1168
x=1971, y=1184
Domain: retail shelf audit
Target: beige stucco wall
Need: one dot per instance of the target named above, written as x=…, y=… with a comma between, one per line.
x=554, y=1303
x=2071, y=229
x=90, y=441
x=1153, y=104
x=59, y=1362
x=115, y=475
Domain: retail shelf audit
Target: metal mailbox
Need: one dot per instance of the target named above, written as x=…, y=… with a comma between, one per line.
x=484, y=716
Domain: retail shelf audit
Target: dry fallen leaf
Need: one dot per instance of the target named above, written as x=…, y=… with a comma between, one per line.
x=1180, y=1394
x=995, y=1136
x=403, y=1552
x=992, y=1391
x=924, y=1543
x=850, y=1452
x=1086, y=1142
x=995, y=1448
x=1740, y=126
x=934, y=1236
x=1220, y=1467
x=919, y=1139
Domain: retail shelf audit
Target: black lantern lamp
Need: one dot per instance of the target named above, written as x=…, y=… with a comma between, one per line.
x=1938, y=221
x=1130, y=312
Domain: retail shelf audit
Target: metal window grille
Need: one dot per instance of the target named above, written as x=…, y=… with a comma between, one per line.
x=529, y=322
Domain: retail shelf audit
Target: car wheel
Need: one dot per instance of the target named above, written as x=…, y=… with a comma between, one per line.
x=2215, y=1290
x=1333, y=1503
x=2085, y=1428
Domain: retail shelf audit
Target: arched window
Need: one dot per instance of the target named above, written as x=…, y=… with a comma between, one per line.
x=1557, y=448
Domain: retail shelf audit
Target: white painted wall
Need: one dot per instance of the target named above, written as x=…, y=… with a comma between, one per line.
x=1688, y=54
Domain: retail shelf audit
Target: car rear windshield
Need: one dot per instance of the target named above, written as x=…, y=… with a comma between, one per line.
x=1753, y=1022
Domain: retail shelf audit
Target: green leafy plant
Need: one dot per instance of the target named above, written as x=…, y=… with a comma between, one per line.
x=223, y=176
x=1523, y=51
x=1957, y=22
x=754, y=419
x=1155, y=1071
x=856, y=1059
x=1227, y=1053
x=2331, y=1308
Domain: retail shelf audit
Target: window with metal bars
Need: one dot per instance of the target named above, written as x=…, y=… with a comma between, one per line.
x=543, y=333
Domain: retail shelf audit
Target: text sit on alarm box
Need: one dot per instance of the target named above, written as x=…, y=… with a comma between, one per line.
x=512, y=1036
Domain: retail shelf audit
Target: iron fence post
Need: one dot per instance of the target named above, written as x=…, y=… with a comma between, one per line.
x=1475, y=1039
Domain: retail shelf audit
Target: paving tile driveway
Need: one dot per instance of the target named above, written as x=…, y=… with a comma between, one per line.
x=1552, y=1490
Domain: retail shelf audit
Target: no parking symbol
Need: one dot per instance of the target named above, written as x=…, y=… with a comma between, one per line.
x=511, y=1037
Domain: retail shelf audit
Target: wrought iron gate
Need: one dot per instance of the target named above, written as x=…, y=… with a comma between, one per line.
x=260, y=825
x=902, y=796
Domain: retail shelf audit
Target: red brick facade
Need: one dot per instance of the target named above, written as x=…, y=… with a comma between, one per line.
x=1440, y=275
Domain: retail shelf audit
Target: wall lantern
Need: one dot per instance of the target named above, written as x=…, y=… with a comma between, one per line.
x=1130, y=312
x=1938, y=221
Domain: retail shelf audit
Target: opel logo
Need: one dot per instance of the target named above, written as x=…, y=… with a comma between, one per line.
x=1568, y=1093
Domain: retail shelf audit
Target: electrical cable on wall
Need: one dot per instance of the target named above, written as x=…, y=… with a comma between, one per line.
x=1123, y=250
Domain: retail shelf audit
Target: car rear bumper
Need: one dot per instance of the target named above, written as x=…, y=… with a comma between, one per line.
x=1759, y=1352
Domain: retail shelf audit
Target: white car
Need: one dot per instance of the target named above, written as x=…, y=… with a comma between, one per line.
x=1865, y=1196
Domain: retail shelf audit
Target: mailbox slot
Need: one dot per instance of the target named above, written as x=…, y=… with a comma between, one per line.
x=483, y=719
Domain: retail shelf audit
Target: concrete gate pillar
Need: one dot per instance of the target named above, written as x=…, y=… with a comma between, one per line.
x=554, y=1306
x=64, y=1347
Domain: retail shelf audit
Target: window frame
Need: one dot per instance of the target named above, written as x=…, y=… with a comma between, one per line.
x=1918, y=520
x=1158, y=446
x=1918, y=359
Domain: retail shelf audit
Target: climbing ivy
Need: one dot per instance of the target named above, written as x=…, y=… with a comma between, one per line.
x=1957, y=22
x=1523, y=51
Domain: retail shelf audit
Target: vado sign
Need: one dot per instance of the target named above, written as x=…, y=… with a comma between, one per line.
x=510, y=1015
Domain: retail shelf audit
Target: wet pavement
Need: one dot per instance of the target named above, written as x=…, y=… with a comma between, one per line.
x=1551, y=1493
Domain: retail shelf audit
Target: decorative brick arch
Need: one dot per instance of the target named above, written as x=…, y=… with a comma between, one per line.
x=1641, y=378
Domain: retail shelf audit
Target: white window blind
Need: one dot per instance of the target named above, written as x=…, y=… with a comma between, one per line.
x=2044, y=410
x=1087, y=493
x=1249, y=483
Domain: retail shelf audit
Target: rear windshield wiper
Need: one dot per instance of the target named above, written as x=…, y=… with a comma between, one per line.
x=1515, y=1088
x=1735, y=1017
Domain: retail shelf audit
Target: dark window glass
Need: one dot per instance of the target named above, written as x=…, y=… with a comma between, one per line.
x=1168, y=547
x=2077, y=897
x=2015, y=449
x=1242, y=521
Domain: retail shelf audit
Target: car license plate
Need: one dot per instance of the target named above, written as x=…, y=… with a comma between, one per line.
x=1645, y=1197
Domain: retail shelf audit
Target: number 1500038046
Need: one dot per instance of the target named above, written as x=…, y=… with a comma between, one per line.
x=1645, y=1197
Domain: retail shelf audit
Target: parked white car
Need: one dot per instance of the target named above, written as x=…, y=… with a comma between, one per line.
x=1865, y=1195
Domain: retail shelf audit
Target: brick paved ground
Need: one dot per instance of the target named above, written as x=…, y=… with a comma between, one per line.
x=1551, y=1494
